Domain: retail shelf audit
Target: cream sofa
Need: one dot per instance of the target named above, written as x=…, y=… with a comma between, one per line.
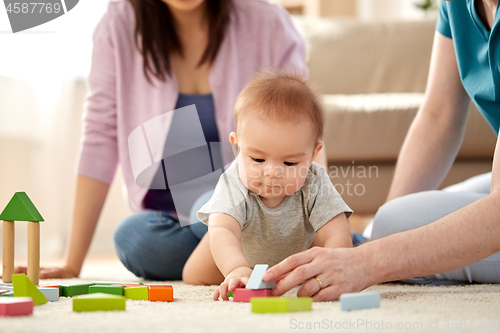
x=373, y=76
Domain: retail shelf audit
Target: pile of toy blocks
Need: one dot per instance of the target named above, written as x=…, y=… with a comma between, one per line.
x=19, y=297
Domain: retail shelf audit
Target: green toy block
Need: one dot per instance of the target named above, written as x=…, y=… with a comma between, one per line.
x=229, y=294
x=68, y=290
x=9, y=294
x=113, y=290
x=279, y=304
x=115, y=283
x=136, y=293
x=20, y=208
x=23, y=287
x=98, y=302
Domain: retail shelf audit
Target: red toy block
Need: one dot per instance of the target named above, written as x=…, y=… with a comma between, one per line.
x=244, y=295
x=16, y=306
x=161, y=293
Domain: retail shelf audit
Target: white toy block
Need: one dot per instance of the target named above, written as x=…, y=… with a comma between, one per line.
x=357, y=301
x=9, y=288
x=255, y=281
x=52, y=294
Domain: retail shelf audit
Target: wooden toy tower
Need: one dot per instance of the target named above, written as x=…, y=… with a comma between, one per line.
x=20, y=208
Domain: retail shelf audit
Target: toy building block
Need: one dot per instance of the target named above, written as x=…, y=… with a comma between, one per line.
x=255, y=281
x=244, y=295
x=20, y=208
x=357, y=301
x=107, y=289
x=161, y=293
x=7, y=294
x=52, y=286
x=52, y=294
x=279, y=304
x=23, y=287
x=16, y=306
x=71, y=290
x=136, y=293
x=98, y=302
x=229, y=294
x=110, y=283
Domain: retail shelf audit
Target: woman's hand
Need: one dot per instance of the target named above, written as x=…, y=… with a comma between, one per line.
x=238, y=278
x=63, y=272
x=339, y=271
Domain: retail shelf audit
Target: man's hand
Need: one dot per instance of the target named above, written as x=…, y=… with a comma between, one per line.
x=341, y=270
x=238, y=278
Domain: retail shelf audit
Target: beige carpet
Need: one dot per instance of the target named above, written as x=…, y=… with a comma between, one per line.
x=412, y=308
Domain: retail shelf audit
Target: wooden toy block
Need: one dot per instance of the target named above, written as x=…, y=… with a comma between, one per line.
x=23, y=287
x=52, y=294
x=279, y=304
x=136, y=293
x=161, y=293
x=75, y=289
x=20, y=208
x=7, y=294
x=52, y=286
x=16, y=306
x=255, y=281
x=357, y=301
x=98, y=302
x=110, y=283
x=107, y=289
x=244, y=295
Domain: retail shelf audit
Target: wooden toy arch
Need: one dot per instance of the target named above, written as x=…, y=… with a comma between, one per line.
x=20, y=208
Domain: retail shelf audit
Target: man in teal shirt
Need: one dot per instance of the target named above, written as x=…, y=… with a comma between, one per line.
x=442, y=235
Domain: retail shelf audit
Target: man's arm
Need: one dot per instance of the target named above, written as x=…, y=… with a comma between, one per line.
x=472, y=234
x=436, y=133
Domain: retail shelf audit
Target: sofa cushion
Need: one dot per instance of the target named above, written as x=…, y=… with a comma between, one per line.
x=372, y=127
x=349, y=56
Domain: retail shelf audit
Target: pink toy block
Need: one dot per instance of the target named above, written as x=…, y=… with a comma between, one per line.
x=244, y=295
x=16, y=306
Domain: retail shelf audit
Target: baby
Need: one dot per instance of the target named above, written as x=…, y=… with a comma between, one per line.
x=273, y=201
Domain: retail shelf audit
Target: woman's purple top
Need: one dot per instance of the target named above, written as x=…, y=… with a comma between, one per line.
x=121, y=100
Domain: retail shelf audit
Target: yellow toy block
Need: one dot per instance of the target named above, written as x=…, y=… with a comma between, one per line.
x=98, y=302
x=136, y=293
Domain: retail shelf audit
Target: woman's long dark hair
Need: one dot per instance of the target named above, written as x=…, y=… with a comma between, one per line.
x=154, y=23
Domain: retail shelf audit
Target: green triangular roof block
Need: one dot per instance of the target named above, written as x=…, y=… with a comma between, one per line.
x=23, y=287
x=20, y=208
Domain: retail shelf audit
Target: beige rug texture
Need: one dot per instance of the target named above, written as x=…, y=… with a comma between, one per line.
x=404, y=308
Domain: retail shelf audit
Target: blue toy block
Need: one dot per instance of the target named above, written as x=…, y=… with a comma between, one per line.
x=255, y=281
x=357, y=301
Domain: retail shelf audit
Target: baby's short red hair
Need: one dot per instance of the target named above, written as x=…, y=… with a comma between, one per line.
x=284, y=96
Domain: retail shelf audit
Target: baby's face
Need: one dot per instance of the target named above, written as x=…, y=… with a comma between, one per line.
x=274, y=157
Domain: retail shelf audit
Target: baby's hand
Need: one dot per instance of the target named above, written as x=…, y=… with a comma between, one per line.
x=238, y=278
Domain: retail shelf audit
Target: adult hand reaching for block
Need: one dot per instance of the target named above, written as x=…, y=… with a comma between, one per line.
x=342, y=270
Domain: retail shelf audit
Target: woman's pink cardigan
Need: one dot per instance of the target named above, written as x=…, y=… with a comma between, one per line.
x=259, y=35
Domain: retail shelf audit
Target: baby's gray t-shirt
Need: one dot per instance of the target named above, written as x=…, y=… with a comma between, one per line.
x=269, y=235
